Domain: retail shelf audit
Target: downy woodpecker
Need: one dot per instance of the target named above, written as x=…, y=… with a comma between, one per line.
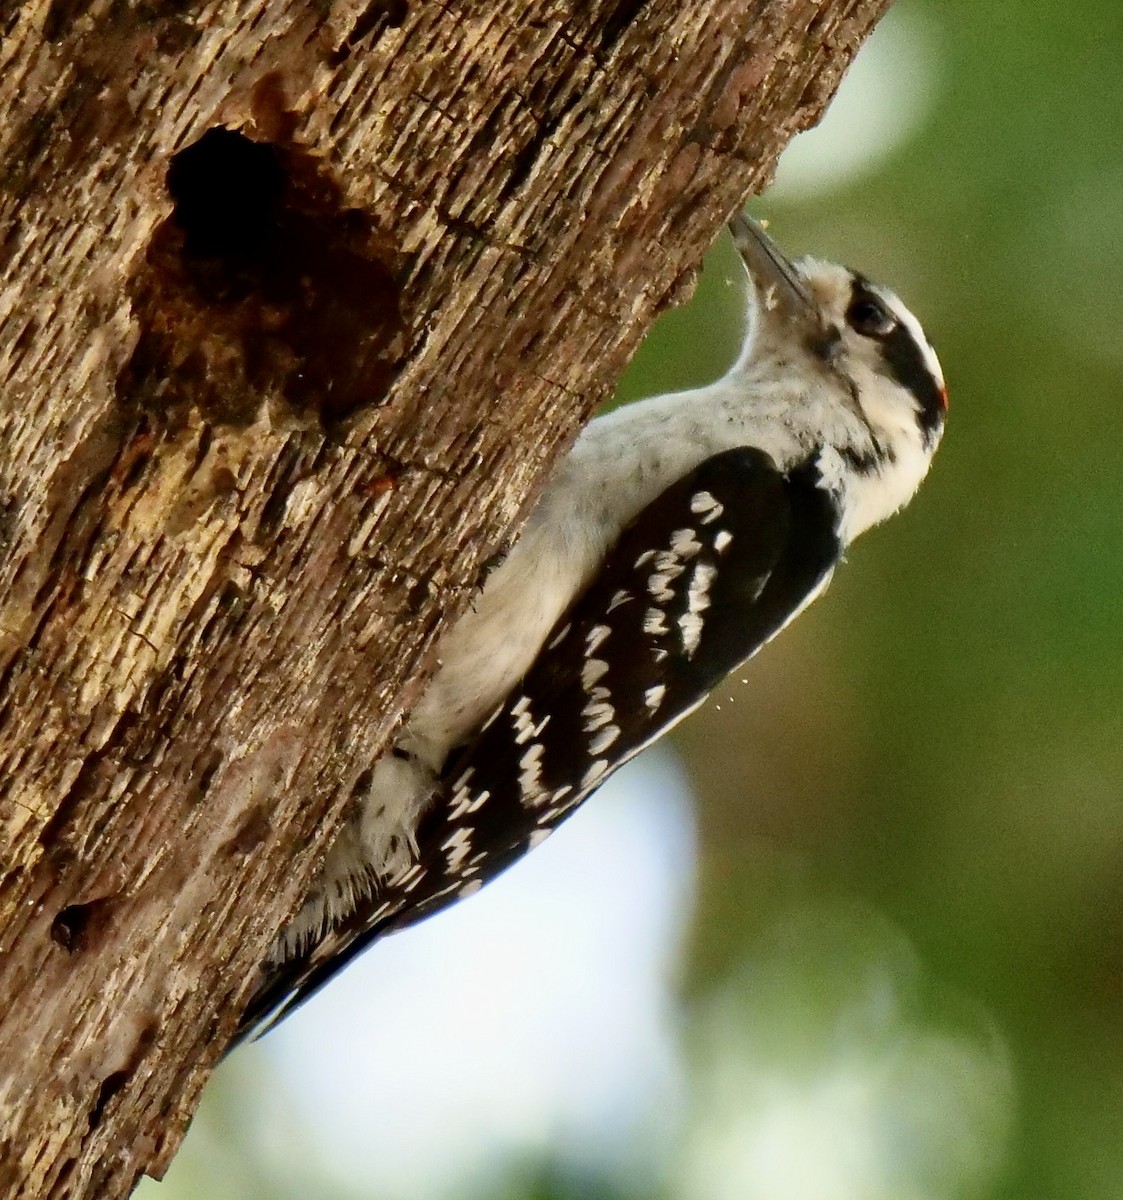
x=679, y=535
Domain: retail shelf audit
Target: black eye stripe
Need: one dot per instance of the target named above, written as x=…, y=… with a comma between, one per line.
x=907, y=363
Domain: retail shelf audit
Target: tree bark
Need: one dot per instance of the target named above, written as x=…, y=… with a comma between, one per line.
x=298, y=303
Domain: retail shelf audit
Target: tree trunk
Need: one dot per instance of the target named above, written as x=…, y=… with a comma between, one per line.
x=298, y=303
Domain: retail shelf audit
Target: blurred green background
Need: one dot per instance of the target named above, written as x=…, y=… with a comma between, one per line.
x=886, y=961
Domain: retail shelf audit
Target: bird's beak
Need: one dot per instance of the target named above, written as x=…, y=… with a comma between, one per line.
x=780, y=286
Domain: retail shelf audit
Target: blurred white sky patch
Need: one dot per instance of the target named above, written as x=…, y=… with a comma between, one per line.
x=536, y=1019
x=891, y=87
x=832, y=1069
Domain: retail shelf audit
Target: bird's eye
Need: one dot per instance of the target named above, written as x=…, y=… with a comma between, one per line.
x=870, y=318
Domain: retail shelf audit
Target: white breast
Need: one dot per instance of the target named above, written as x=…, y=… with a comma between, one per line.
x=620, y=463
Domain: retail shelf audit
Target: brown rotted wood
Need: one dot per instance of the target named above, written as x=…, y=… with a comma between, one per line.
x=297, y=304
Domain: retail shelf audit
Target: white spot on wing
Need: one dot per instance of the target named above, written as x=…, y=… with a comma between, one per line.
x=524, y=722
x=561, y=635
x=461, y=803
x=530, y=774
x=690, y=626
x=459, y=837
x=655, y=621
x=594, y=773
x=458, y=846
x=410, y=879
x=705, y=507
x=698, y=600
x=722, y=539
x=597, y=714
x=653, y=697
x=604, y=739
x=668, y=560
x=684, y=543
x=594, y=639
x=658, y=585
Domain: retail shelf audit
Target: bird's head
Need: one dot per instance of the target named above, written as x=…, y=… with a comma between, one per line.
x=864, y=357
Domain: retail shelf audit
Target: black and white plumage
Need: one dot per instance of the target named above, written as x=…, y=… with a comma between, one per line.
x=679, y=535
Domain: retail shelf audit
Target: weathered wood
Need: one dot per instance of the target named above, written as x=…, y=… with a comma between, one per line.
x=272, y=397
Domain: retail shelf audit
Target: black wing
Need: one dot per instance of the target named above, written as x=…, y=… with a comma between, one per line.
x=701, y=579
